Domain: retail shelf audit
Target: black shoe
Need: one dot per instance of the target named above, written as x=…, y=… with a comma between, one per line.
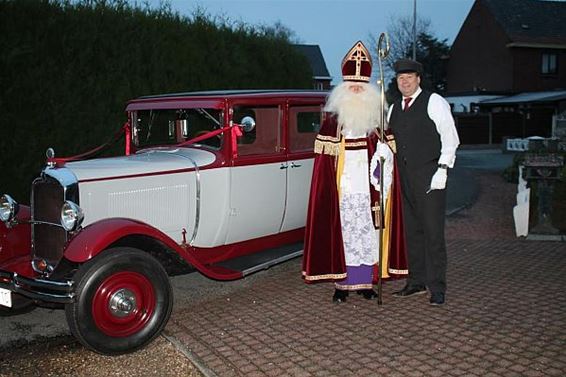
x=437, y=298
x=410, y=290
x=369, y=294
x=339, y=295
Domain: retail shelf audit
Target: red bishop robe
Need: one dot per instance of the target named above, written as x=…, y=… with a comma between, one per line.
x=323, y=257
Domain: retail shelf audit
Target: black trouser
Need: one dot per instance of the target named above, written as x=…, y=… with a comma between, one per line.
x=424, y=216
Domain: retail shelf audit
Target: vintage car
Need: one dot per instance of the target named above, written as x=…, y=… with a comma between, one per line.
x=213, y=181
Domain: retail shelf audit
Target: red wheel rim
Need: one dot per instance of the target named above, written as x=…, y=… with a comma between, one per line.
x=123, y=304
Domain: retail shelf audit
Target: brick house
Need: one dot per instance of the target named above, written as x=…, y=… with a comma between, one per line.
x=321, y=77
x=508, y=48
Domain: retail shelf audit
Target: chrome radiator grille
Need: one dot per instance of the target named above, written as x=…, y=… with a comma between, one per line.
x=48, y=236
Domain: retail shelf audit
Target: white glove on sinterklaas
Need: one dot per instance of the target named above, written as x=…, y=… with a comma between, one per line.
x=438, y=181
x=382, y=150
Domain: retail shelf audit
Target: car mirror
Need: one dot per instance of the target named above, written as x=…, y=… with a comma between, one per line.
x=247, y=123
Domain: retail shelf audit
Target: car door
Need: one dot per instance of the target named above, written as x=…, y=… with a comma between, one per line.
x=303, y=125
x=258, y=175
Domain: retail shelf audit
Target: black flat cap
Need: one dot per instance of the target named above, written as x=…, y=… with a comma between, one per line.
x=408, y=65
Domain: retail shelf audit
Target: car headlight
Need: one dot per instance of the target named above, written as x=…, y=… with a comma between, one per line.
x=8, y=208
x=71, y=216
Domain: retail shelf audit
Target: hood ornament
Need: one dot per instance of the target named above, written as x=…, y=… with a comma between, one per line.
x=50, y=154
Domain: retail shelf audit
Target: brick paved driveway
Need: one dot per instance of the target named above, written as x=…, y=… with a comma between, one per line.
x=505, y=316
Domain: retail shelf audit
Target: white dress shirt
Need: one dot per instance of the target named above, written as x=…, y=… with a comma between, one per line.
x=439, y=111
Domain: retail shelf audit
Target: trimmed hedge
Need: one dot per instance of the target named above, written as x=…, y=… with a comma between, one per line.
x=67, y=70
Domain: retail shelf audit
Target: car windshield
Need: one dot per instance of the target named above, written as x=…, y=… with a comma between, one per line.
x=173, y=126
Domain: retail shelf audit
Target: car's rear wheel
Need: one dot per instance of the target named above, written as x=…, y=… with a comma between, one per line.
x=123, y=301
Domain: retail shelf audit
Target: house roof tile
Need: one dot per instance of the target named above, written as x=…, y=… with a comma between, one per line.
x=315, y=58
x=531, y=21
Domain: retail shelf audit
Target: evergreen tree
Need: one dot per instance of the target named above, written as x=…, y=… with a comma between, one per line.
x=67, y=69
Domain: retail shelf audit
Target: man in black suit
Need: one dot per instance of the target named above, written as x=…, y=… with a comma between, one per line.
x=426, y=140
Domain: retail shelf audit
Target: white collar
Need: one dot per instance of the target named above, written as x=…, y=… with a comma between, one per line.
x=415, y=94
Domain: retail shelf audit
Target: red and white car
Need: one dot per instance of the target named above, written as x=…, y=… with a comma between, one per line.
x=213, y=181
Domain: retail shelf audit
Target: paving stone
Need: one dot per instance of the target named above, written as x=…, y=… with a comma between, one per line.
x=503, y=317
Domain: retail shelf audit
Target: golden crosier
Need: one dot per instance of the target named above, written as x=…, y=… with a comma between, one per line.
x=382, y=53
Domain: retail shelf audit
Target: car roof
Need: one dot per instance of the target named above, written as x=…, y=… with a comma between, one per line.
x=216, y=98
x=243, y=93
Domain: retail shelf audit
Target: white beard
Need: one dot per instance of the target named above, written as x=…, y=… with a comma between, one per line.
x=358, y=113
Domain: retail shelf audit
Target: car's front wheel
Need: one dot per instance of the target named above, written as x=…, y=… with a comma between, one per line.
x=123, y=301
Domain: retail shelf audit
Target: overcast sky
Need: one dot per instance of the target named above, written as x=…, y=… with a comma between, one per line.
x=334, y=25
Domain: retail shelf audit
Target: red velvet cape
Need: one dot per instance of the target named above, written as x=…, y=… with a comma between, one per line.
x=323, y=257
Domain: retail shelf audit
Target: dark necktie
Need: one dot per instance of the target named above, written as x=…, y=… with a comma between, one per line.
x=407, y=100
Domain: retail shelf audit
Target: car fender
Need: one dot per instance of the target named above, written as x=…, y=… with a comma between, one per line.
x=15, y=241
x=96, y=237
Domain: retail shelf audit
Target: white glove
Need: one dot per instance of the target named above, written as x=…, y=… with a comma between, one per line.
x=438, y=181
x=382, y=150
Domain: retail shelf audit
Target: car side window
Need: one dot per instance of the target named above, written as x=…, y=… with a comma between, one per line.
x=172, y=126
x=304, y=125
x=264, y=138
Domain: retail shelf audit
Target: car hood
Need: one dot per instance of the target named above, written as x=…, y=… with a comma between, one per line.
x=146, y=162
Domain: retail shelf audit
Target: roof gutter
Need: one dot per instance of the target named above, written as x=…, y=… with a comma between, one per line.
x=537, y=45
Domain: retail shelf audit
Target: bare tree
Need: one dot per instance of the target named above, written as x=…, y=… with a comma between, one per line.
x=400, y=32
x=431, y=52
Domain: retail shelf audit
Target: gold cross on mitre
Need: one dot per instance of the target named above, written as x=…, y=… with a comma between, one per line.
x=359, y=56
x=357, y=63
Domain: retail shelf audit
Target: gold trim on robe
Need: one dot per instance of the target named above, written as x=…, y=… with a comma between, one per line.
x=328, y=145
x=353, y=287
x=391, y=142
x=324, y=277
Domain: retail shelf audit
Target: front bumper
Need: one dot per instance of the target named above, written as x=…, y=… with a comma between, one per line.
x=51, y=291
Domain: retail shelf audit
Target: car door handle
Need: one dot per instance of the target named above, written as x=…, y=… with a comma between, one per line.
x=284, y=166
x=293, y=165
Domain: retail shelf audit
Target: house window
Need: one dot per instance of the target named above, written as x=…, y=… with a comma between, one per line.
x=549, y=63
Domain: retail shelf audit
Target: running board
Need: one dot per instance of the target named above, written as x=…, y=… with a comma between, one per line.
x=249, y=264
